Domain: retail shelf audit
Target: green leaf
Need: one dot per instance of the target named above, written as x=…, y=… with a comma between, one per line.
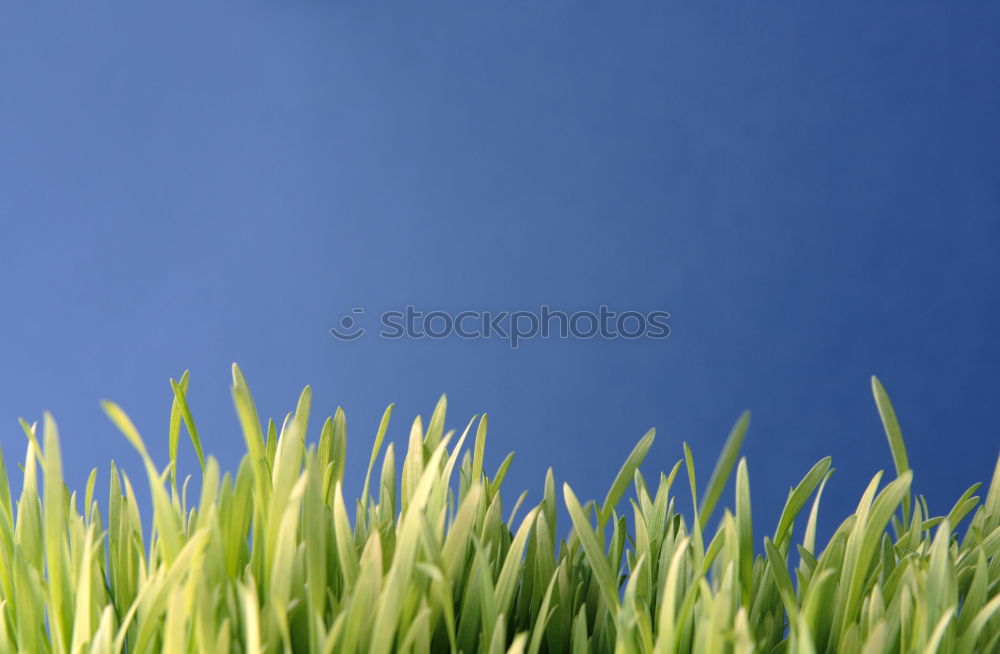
x=723, y=468
x=624, y=477
x=180, y=396
x=894, y=434
x=606, y=581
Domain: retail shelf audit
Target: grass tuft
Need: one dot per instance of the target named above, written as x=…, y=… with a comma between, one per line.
x=269, y=559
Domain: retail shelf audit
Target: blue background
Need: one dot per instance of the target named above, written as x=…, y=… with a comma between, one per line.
x=811, y=191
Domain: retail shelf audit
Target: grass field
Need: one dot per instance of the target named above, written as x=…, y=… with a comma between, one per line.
x=428, y=559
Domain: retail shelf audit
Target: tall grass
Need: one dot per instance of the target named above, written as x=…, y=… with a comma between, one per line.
x=271, y=560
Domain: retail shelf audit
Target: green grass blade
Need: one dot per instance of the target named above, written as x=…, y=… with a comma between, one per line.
x=723, y=468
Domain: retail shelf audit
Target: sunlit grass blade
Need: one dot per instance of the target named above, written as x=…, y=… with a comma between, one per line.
x=894, y=434
x=180, y=396
x=624, y=477
x=723, y=468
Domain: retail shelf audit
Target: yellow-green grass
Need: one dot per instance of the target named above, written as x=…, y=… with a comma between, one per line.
x=276, y=559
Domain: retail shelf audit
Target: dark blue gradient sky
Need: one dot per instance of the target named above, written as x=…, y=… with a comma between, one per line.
x=811, y=191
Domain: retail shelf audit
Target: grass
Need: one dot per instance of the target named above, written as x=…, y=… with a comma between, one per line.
x=270, y=560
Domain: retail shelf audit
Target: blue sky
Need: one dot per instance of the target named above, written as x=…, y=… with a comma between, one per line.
x=810, y=191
